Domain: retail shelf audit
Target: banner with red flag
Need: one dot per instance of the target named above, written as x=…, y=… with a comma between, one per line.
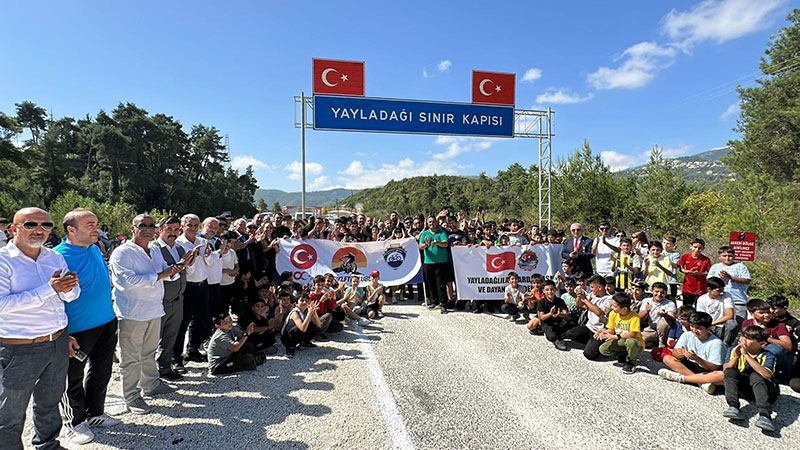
x=334, y=77
x=494, y=88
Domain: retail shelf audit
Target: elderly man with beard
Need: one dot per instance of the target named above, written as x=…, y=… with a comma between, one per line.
x=169, y=228
x=34, y=284
x=92, y=329
x=195, y=302
x=138, y=273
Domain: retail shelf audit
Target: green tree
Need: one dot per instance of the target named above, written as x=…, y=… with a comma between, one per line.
x=661, y=194
x=32, y=117
x=276, y=207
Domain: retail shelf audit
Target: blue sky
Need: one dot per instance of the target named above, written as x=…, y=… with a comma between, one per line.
x=625, y=75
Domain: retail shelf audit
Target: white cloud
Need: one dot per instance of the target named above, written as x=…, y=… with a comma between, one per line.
x=295, y=169
x=241, y=162
x=640, y=64
x=359, y=176
x=553, y=96
x=444, y=66
x=320, y=183
x=532, y=75
x=425, y=74
x=719, y=21
x=617, y=161
x=674, y=152
x=733, y=109
x=457, y=145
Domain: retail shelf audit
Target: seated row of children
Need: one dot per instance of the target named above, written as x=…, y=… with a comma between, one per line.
x=297, y=317
x=701, y=345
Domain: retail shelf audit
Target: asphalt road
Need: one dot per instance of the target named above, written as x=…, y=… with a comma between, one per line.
x=422, y=380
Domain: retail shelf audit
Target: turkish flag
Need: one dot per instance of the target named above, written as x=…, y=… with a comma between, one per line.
x=500, y=262
x=493, y=88
x=338, y=77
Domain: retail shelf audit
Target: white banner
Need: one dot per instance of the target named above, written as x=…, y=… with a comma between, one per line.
x=397, y=260
x=481, y=273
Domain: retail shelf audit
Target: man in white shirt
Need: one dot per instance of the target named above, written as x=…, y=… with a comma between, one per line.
x=196, y=317
x=211, y=227
x=597, y=307
x=34, y=284
x=168, y=230
x=137, y=274
x=602, y=248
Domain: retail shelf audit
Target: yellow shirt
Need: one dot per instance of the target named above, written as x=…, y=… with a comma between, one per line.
x=654, y=274
x=627, y=323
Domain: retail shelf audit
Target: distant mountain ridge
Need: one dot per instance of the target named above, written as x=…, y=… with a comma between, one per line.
x=316, y=198
x=702, y=167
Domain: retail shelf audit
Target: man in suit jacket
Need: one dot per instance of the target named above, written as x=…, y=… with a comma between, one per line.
x=578, y=249
x=168, y=230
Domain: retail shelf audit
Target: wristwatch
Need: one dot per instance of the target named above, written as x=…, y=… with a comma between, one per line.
x=244, y=334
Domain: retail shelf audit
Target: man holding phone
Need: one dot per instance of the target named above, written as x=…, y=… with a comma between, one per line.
x=92, y=329
x=33, y=327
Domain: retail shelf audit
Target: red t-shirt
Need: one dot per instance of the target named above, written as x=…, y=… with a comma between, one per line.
x=694, y=284
x=324, y=306
x=774, y=328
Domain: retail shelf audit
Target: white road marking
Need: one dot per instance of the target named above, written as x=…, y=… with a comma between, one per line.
x=391, y=415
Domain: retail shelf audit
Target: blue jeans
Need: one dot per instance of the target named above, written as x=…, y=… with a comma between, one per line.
x=33, y=369
x=783, y=360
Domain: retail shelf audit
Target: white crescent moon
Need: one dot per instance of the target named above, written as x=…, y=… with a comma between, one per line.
x=483, y=82
x=325, y=77
x=494, y=260
x=300, y=252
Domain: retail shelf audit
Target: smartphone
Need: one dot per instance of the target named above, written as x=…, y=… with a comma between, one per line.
x=80, y=355
x=68, y=273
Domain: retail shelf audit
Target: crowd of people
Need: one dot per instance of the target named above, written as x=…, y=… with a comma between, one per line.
x=182, y=289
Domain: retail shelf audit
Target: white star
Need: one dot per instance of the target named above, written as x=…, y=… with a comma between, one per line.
x=344, y=77
x=497, y=88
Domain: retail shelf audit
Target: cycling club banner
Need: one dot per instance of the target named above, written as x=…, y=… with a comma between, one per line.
x=397, y=260
x=481, y=273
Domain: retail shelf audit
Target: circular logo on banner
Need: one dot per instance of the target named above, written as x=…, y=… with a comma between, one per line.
x=303, y=256
x=348, y=260
x=395, y=257
x=528, y=260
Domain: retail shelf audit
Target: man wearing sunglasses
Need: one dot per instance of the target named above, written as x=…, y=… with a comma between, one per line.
x=34, y=284
x=578, y=248
x=603, y=247
x=137, y=274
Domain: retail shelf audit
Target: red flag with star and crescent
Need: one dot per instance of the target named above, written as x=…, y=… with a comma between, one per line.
x=494, y=88
x=334, y=77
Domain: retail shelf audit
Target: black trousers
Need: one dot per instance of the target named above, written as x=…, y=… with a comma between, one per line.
x=689, y=299
x=515, y=311
x=214, y=307
x=584, y=335
x=86, y=397
x=555, y=329
x=291, y=338
x=242, y=359
x=752, y=387
x=228, y=301
x=195, y=314
x=436, y=282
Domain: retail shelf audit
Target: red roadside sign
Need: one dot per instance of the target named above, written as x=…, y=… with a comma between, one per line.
x=744, y=244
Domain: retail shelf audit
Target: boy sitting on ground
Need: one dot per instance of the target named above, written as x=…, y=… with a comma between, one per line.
x=780, y=310
x=659, y=313
x=597, y=305
x=353, y=300
x=748, y=374
x=376, y=297
x=623, y=334
x=553, y=315
x=300, y=326
x=228, y=350
x=680, y=326
x=514, y=302
x=719, y=305
x=324, y=308
x=697, y=357
x=779, y=341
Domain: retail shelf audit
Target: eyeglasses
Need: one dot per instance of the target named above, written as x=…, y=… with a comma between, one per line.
x=574, y=230
x=603, y=228
x=620, y=235
x=143, y=226
x=30, y=226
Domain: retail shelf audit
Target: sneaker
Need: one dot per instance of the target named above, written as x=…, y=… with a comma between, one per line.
x=178, y=367
x=477, y=310
x=443, y=310
x=194, y=356
x=710, y=388
x=259, y=358
x=161, y=388
x=171, y=376
x=536, y=332
x=621, y=361
x=321, y=337
x=671, y=375
x=308, y=344
x=364, y=322
x=137, y=406
x=272, y=350
x=732, y=413
x=394, y=300
x=561, y=345
x=509, y=318
x=434, y=307
x=765, y=423
x=629, y=368
x=102, y=421
x=80, y=434
x=290, y=352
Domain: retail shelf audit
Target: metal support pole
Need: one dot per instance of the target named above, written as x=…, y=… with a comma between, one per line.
x=549, y=165
x=303, y=140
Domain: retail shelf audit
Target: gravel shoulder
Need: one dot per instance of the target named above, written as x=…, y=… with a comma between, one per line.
x=458, y=381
